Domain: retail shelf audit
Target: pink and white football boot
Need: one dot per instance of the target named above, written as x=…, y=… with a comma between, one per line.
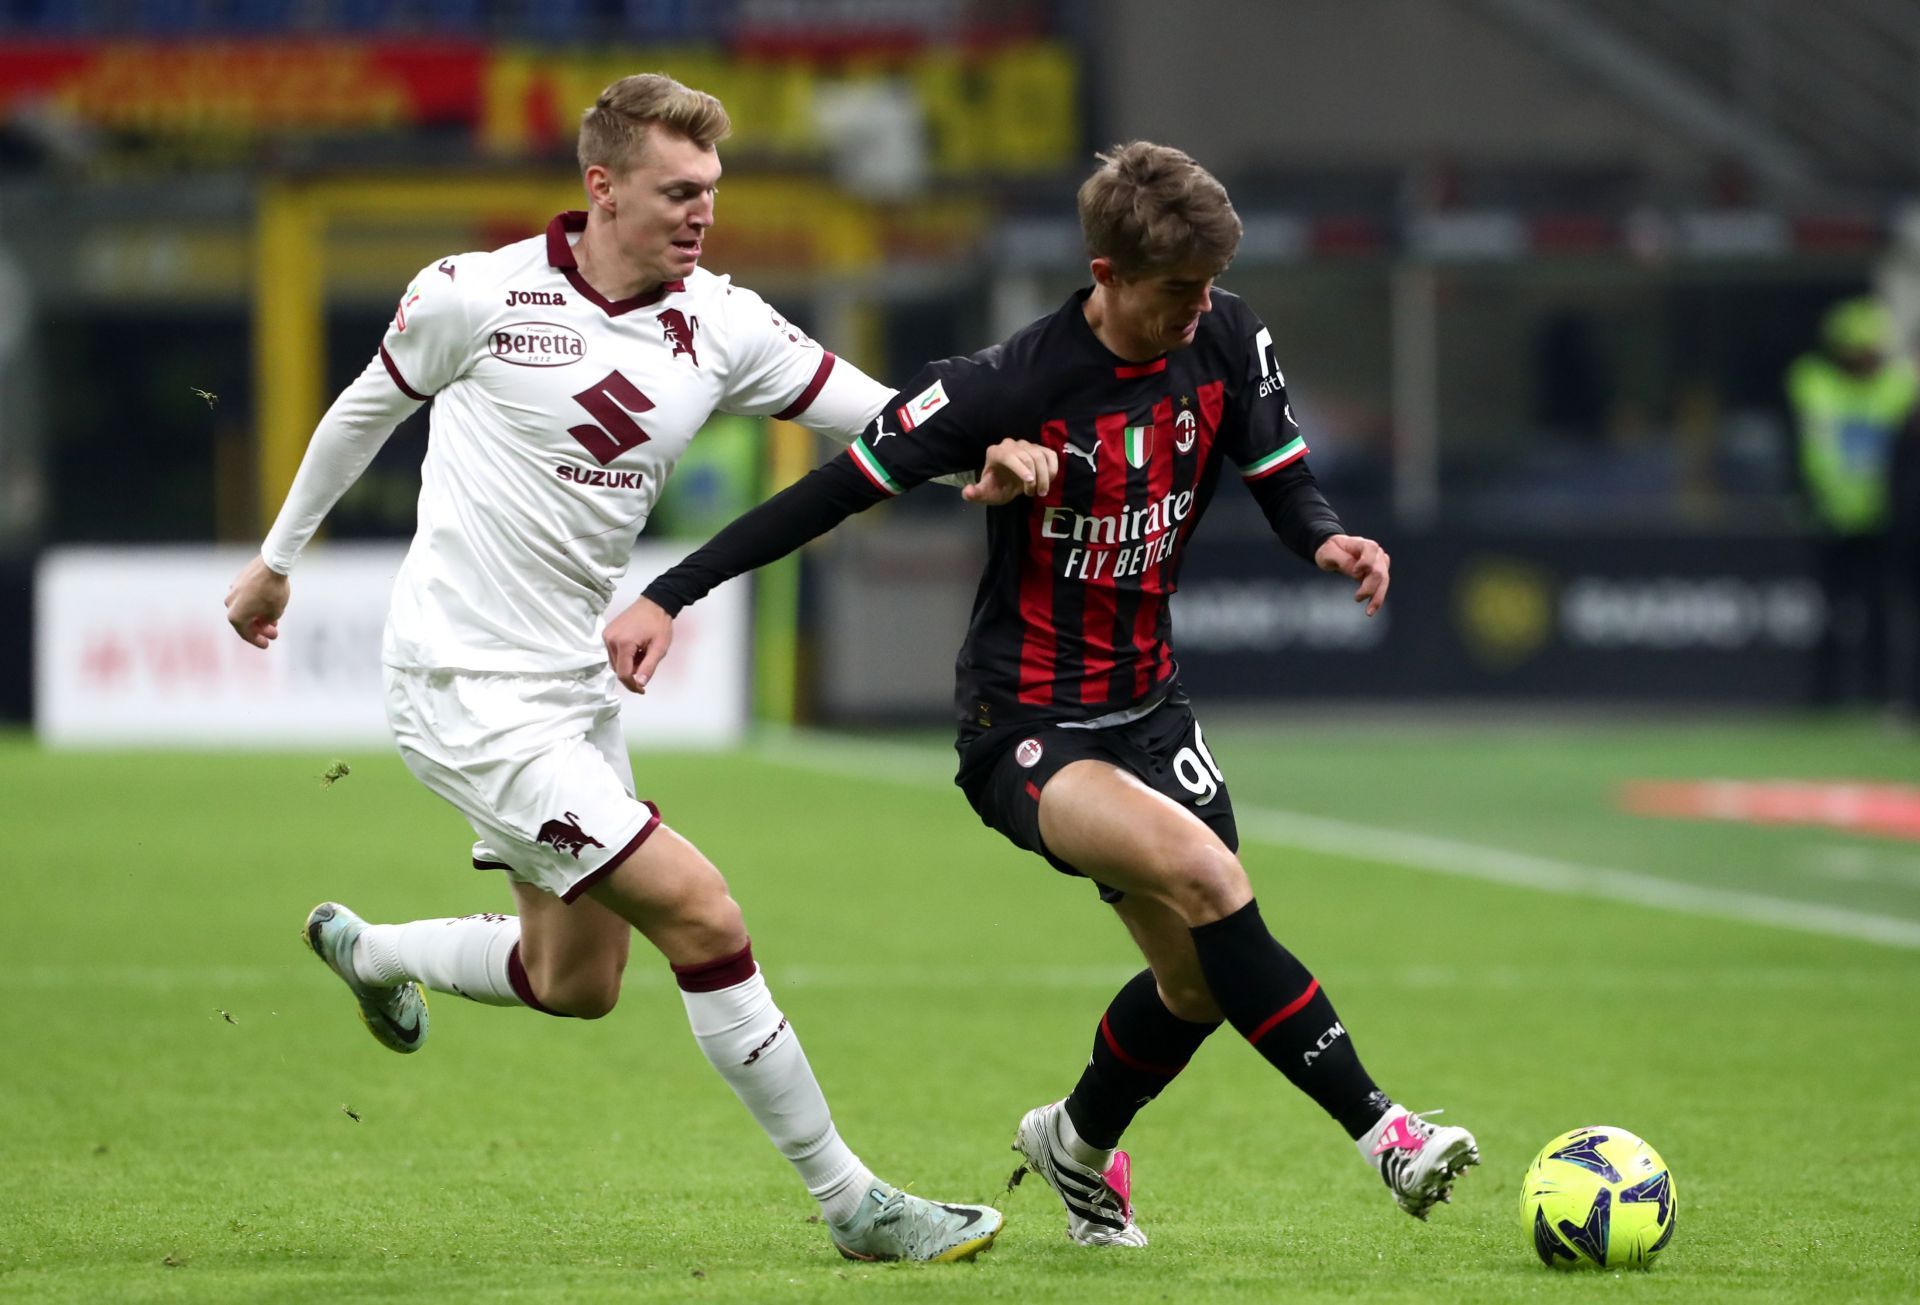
x=1418, y=1161
x=1099, y=1203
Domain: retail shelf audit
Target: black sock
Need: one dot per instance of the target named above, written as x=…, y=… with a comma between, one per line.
x=1276, y=1005
x=1137, y=1050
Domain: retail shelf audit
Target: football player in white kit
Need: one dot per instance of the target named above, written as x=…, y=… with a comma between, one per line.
x=568, y=374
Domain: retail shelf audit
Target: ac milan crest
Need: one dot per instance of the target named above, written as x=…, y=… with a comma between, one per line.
x=1185, y=426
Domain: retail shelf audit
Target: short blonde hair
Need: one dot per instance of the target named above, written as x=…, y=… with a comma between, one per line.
x=614, y=131
x=1150, y=208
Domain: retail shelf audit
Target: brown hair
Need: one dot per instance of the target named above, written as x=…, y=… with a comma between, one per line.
x=1150, y=208
x=614, y=130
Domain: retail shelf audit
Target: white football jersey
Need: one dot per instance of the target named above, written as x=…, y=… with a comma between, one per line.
x=557, y=415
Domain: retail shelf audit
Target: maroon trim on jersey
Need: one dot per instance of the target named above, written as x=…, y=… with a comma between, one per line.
x=393, y=370
x=616, y=307
x=808, y=395
x=612, y=863
x=1100, y=599
x=560, y=256
x=1039, y=639
x=559, y=248
x=1133, y=371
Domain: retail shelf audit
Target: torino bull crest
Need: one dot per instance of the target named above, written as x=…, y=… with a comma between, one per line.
x=566, y=836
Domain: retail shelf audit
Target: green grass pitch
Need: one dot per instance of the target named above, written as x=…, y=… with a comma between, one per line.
x=176, y=1072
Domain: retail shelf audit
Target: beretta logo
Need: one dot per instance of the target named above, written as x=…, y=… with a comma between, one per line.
x=538, y=344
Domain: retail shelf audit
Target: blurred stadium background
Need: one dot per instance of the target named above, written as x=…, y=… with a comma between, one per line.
x=1535, y=268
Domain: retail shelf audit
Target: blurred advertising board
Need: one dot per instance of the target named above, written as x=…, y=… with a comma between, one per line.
x=1650, y=618
x=1000, y=103
x=131, y=647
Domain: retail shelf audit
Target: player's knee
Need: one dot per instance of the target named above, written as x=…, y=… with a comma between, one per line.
x=595, y=1003
x=711, y=923
x=584, y=996
x=1206, y=882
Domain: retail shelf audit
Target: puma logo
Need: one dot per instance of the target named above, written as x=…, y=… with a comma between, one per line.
x=1089, y=453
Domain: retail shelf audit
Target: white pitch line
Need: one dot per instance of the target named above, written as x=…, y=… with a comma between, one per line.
x=932, y=768
x=217, y=983
x=1550, y=875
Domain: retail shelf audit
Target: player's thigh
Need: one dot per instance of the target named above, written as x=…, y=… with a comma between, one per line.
x=1166, y=941
x=1170, y=753
x=564, y=944
x=668, y=890
x=1114, y=828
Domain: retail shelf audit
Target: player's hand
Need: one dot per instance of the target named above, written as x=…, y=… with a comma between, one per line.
x=1013, y=468
x=636, y=641
x=255, y=602
x=1357, y=559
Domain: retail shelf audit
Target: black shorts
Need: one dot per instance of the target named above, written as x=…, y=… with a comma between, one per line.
x=1002, y=773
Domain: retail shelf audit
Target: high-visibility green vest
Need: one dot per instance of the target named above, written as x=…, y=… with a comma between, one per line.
x=1848, y=425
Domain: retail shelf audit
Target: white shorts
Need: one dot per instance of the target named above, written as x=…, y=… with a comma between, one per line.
x=536, y=763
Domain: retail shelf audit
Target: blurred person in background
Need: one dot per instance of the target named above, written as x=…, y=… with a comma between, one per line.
x=1851, y=400
x=569, y=372
x=1077, y=742
x=1903, y=565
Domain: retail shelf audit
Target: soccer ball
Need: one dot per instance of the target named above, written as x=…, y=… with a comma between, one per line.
x=1598, y=1197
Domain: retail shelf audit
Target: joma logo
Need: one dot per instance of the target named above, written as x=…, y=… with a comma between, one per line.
x=549, y=298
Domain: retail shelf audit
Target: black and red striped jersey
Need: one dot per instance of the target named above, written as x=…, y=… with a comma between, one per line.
x=1071, y=617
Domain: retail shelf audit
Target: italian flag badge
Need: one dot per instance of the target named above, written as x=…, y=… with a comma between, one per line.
x=1139, y=445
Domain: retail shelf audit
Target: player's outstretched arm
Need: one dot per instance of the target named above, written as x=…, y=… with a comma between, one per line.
x=352, y=431
x=639, y=637
x=1360, y=559
x=849, y=402
x=255, y=602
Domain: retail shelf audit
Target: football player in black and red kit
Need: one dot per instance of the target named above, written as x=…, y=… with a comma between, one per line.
x=1076, y=741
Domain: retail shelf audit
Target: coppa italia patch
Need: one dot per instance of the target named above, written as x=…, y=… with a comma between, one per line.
x=921, y=406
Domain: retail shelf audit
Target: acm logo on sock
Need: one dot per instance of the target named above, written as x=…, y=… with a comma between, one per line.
x=1327, y=1039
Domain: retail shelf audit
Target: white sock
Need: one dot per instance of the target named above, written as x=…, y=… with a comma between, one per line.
x=467, y=956
x=749, y=1041
x=1085, y=1152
